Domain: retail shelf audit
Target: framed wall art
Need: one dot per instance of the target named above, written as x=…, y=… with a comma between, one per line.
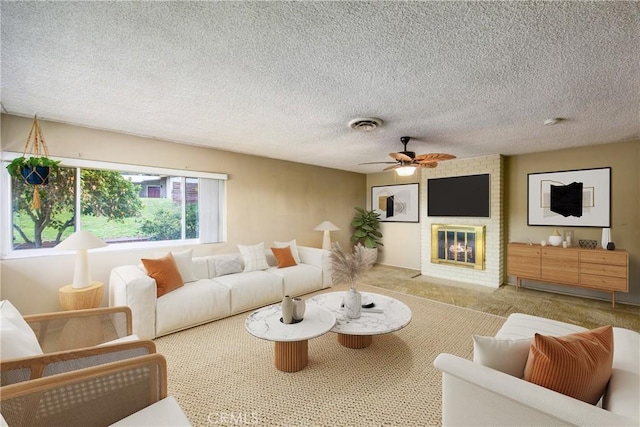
x=576, y=198
x=396, y=203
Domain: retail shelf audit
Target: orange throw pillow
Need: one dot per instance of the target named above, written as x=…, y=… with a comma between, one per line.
x=165, y=271
x=578, y=365
x=284, y=257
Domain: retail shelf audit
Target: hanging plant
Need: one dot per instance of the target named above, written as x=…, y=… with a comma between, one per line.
x=34, y=170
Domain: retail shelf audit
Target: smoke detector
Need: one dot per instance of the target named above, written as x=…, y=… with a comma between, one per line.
x=365, y=123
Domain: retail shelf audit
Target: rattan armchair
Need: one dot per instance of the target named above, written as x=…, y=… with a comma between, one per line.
x=95, y=396
x=73, y=340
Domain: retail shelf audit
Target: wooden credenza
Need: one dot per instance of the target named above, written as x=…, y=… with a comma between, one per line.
x=596, y=269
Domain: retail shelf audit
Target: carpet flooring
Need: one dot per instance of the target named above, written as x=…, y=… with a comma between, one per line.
x=222, y=375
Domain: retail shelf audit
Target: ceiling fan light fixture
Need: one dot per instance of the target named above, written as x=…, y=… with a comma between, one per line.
x=405, y=170
x=365, y=123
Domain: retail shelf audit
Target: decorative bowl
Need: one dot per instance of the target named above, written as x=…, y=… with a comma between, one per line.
x=555, y=240
x=588, y=244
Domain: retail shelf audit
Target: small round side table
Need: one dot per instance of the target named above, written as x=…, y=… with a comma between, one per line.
x=80, y=298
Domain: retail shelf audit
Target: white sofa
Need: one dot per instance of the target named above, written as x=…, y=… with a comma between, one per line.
x=212, y=296
x=473, y=394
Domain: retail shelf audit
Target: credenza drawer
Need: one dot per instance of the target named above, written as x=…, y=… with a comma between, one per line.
x=604, y=269
x=604, y=282
x=603, y=257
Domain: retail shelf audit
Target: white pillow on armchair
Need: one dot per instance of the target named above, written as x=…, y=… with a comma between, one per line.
x=17, y=339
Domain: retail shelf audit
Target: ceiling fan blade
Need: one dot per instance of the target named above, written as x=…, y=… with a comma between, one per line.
x=428, y=164
x=434, y=157
x=400, y=156
x=377, y=163
x=389, y=168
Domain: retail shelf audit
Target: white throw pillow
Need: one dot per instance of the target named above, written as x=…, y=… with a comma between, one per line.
x=228, y=264
x=505, y=355
x=184, y=263
x=17, y=339
x=294, y=248
x=253, y=257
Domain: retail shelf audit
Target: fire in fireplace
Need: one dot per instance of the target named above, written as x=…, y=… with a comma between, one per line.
x=460, y=245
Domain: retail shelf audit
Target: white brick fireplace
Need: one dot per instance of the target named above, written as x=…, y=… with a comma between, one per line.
x=493, y=274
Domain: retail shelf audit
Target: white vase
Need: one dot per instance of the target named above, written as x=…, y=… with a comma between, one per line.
x=352, y=304
x=298, y=309
x=287, y=309
x=606, y=237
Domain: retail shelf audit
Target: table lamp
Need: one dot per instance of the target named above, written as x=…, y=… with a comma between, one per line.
x=81, y=241
x=326, y=226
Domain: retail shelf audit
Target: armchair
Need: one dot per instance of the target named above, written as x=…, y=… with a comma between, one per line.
x=47, y=344
x=95, y=396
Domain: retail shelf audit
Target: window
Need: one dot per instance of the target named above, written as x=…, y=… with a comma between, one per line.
x=118, y=203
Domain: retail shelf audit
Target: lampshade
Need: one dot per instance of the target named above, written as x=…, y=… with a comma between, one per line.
x=405, y=170
x=326, y=226
x=81, y=241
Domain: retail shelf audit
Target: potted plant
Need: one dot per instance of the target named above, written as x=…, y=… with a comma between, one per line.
x=34, y=170
x=366, y=226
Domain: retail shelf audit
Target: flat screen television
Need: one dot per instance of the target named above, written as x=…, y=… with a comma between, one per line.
x=459, y=196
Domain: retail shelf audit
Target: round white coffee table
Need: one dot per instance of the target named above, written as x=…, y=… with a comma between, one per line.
x=386, y=315
x=291, y=341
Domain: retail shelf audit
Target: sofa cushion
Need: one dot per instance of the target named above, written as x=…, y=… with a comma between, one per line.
x=227, y=264
x=294, y=248
x=577, y=365
x=17, y=339
x=505, y=355
x=252, y=289
x=298, y=280
x=194, y=303
x=184, y=262
x=165, y=272
x=284, y=257
x=253, y=257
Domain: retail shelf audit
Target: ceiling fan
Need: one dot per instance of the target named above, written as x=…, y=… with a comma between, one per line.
x=406, y=162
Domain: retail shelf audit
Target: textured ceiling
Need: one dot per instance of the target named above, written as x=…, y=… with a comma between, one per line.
x=283, y=79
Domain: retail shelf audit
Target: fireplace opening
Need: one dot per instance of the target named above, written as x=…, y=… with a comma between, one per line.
x=459, y=245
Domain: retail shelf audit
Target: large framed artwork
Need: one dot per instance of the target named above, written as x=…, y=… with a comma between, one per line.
x=396, y=203
x=576, y=198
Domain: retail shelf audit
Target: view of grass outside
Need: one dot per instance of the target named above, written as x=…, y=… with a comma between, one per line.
x=162, y=213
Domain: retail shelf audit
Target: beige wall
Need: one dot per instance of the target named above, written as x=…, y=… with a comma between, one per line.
x=401, y=239
x=266, y=200
x=624, y=160
x=276, y=200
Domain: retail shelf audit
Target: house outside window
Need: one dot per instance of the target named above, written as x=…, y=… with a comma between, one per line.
x=121, y=204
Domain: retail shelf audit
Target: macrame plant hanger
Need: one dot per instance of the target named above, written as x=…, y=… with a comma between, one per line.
x=38, y=149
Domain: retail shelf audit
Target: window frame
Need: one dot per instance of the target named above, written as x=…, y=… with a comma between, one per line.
x=6, y=250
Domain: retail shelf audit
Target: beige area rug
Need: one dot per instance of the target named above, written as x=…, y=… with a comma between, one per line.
x=222, y=375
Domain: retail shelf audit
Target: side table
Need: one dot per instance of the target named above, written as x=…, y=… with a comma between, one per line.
x=80, y=298
x=76, y=332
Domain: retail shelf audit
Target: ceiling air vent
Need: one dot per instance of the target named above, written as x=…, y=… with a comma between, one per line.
x=365, y=124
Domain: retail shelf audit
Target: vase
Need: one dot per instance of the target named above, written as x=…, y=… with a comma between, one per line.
x=352, y=303
x=287, y=310
x=606, y=237
x=298, y=309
